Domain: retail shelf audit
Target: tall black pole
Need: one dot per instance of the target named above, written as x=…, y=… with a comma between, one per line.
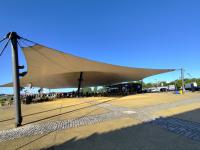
x=79, y=83
x=16, y=84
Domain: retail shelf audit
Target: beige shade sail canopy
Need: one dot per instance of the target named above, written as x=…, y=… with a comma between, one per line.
x=49, y=68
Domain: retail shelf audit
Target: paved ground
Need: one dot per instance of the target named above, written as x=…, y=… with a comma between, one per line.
x=100, y=111
x=181, y=127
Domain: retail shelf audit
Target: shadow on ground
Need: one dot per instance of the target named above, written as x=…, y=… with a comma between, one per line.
x=145, y=136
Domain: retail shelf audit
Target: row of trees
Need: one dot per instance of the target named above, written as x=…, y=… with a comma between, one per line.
x=92, y=90
x=177, y=83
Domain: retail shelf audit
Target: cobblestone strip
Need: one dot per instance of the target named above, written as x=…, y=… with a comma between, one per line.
x=182, y=127
x=47, y=127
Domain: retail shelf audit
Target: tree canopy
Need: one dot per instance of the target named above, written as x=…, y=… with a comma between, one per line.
x=177, y=83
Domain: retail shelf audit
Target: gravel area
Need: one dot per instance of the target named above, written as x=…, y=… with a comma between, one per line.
x=142, y=114
x=164, y=106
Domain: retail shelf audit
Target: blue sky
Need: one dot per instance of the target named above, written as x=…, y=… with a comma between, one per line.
x=135, y=33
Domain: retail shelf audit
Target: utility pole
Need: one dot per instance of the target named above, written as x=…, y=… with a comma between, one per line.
x=79, y=83
x=141, y=85
x=182, y=78
x=16, y=84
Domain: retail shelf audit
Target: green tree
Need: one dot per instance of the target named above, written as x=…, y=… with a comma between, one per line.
x=163, y=83
x=95, y=90
x=198, y=82
x=147, y=85
x=86, y=90
x=102, y=89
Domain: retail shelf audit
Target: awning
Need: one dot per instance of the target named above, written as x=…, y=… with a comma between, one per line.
x=49, y=68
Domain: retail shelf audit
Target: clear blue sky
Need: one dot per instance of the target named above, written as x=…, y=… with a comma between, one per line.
x=135, y=33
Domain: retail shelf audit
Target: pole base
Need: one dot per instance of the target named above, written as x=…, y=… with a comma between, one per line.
x=18, y=124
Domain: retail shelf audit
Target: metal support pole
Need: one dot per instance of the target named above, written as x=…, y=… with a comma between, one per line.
x=16, y=84
x=182, y=78
x=79, y=83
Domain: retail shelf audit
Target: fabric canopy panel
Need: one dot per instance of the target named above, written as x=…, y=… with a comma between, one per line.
x=49, y=68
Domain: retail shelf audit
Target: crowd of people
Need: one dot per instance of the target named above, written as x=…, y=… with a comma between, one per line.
x=114, y=90
x=32, y=98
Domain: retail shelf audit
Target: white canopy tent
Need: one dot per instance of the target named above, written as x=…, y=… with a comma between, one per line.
x=49, y=68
